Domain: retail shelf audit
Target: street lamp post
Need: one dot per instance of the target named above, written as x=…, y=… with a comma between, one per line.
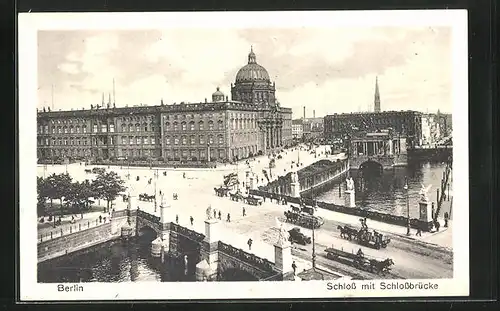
x=313, y=243
x=407, y=207
x=156, y=177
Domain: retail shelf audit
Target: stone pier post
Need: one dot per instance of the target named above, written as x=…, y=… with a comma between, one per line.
x=207, y=268
x=283, y=256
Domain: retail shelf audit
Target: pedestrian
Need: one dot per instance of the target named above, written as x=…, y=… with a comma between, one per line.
x=228, y=217
x=244, y=212
x=366, y=226
x=215, y=214
x=432, y=210
x=294, y=267
x=437, y=225
x=419, y=231
x=446, y=218
x=249, y=244
x=177, y=218
x=220, y=215
x=191, y=219
x=264, y=199
x=100, y=218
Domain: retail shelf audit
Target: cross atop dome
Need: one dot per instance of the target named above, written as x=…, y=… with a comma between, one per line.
x=251, y=57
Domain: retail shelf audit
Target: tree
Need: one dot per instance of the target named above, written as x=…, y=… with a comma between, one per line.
x=42, y=194
x=62, y=187
x=79, y=195
x=107, y=186
x=50, y=187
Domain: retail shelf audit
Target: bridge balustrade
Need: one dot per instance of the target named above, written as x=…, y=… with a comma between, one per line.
x=246, y=257
x=147, y=216
x=70, y=229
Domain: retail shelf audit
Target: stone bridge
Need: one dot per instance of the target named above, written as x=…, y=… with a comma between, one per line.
x=212, y=258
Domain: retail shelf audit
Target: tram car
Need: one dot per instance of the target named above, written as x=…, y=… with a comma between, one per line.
x=295, y=236
x=359, y=260
x=296, y=216
x=364, y=237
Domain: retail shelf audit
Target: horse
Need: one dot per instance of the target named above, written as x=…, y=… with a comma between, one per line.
x=87, y=171
x=345, y=232
x=381, y=266
x=234, y=196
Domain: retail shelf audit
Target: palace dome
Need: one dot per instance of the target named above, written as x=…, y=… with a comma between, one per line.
x=252, y=71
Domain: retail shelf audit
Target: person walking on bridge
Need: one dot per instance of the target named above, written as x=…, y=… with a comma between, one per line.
x=228, y=217
x=249, y=244
x=191, y=219
x=244, y=212
x=220, y=215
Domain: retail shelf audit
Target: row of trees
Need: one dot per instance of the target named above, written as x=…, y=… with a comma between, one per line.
x=78, y=195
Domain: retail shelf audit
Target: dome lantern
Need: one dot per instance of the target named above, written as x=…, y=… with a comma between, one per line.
x=252, y=72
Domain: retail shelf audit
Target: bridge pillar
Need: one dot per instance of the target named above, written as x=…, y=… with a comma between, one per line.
x=156, y=247
x=295, y=185
x=350, y=198
x=425, y=211
x=283, y=256
x=207, y=268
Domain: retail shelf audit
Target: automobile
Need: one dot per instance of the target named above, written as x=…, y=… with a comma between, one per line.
x=298, y=237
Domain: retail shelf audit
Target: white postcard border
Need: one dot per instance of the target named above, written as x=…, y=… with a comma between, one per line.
x=31, y=23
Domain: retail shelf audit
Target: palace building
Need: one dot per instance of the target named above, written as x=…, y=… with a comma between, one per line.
x=251, y=123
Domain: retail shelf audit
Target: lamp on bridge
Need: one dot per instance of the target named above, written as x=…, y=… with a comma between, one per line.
x=407, y=206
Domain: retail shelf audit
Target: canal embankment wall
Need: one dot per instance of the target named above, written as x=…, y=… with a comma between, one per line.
x=66, y=244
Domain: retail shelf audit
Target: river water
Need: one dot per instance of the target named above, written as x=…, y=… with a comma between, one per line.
x=385, y=193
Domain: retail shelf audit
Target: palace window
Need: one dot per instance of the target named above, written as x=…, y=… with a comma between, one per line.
x=176, y=126
x=167, y=140
x=137, y=127
x=184, y=153
x=53, y=130
x=183, y=126
x=191, y=126
x=176, y=140
x=210, y=125
x=138, y=140
x=184, y=140
x=167, y=125
x=153, y=140
x=46, y=129
x=65, y=141
x=77, y=129
x=200, y=125
x=111, y=128
x=202, y=154
x=145, y=127
x=65, y=130
x=193, y=141
x=124, y=140
x=146, y=141
x=175, y=117
x=130, y=128
x=221, y=154
x=94, y=128
x=131, y=140
x=193, y=153
x=153, y=127
x=221, y=139
x=210, y=139
x=85, y=141
x=53, y=141
x=202, y=139
x=71, y=141
x=220, y=125
x=104, y=128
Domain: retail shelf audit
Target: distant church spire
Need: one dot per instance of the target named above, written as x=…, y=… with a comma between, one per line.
x=377, y=96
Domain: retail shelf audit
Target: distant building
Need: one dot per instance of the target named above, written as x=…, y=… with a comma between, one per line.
x=297, y=129
x=342, y=126
x=436, y=127
x=252, y=123
x=312, y=128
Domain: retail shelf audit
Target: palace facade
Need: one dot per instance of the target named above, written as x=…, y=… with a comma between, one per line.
x=251, y=123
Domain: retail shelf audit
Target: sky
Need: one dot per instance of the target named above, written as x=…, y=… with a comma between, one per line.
x=327, y=70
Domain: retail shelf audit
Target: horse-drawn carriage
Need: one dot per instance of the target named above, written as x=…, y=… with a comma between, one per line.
x=98, y=170
x=251, y=200
x=146, y=197
x=303, y=219
x=295, y=236
x=359, y=260
x=222, y=191
x=364, y=237
x=237, y=196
